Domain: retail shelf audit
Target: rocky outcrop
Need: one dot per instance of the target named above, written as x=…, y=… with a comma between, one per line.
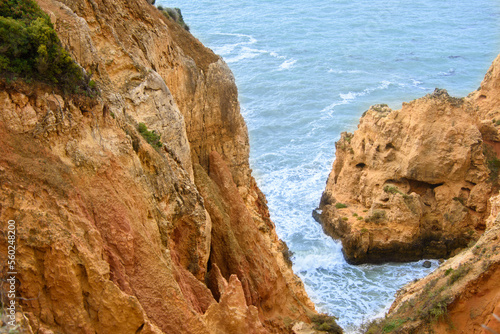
x=116, y=236
x=462, y=295
x=414, y=183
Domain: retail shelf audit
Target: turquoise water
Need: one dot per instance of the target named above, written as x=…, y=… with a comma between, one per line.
x=305, y=73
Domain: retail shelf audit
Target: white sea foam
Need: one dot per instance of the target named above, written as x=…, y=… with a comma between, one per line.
x=346, y=98
x=287, y=64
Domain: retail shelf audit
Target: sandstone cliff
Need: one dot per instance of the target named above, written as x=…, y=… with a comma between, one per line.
x=414, y=183
x=115, y=236
x=461, y=296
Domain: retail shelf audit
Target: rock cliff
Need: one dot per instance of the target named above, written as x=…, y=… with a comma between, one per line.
x=461, y=296
x=414, y=183
x=115, y=235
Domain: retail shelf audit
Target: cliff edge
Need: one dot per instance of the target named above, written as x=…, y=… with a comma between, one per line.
x=415, y=183
x=115, y=234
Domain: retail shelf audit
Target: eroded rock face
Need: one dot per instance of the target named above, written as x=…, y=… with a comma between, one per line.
x=415, y=182
x=463, y=294
x=115, y=236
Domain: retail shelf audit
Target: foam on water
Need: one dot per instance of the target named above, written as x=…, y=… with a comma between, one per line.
x=305, y=73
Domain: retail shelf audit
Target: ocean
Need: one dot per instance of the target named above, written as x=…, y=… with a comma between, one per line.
x=305, y=73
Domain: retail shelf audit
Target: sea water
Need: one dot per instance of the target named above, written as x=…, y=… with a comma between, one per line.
x=306, y=71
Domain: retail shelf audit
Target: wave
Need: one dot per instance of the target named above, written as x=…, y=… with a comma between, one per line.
x=227, y=49
x=331, y=70
x=287, y=64
x=235, y=52
x=348, y=97
x=448, y=73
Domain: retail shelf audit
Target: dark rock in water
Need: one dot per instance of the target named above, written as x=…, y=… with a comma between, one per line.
x=316, y=213
x=427, y=264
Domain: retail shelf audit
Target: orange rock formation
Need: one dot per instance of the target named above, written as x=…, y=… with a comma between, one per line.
x=115, y=236
x=414, y=183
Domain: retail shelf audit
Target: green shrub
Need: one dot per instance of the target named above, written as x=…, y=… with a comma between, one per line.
x=392, y=189
x=150, y=136
x=175, y=15
x=326, y=323
x=461, y=271
x=340, y=205
x=31, y=49
x=392, y=325
x=376, y=217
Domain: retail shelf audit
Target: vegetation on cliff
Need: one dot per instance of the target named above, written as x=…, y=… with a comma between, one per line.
x=175, y=15
x=30, y=49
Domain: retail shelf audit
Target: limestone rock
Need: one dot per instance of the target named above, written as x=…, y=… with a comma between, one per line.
x=243, y=318
x=115, y=236
x=463, y=291
x=414, y=183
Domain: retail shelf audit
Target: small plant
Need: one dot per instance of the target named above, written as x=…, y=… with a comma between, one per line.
x=393, y=325
x=461, y=271
x=439, y=311
x=175, y=15
x=392, y=189
x=354, y=214
x=326, y=323
x=448, y=271
x=360, y=218
x=340, y=205
x=345, y=219
x=376, y=217
x=150, y=136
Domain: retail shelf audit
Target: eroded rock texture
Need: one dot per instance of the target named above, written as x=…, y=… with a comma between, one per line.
x=414, y=183
x=115, y=236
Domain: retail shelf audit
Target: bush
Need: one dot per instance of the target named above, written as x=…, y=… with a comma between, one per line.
x=326, y=323
x=151, y=137
x=340, y=205
x=31, y=49
x=392, y=189
x=175, y=15
x=461, y=271
x=376, y=217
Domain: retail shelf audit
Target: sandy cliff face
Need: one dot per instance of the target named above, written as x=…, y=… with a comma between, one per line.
x=115, y=236
x=461, y=296
x=415, y=182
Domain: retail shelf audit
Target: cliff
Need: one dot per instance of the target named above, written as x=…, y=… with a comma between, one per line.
x=414, y=183
x=117, y=236
x=461, y=296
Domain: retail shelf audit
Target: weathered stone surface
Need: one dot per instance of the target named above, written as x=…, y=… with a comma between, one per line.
x=463, y=292
x=233, y=306
x=113, y=235
x=415, y=182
